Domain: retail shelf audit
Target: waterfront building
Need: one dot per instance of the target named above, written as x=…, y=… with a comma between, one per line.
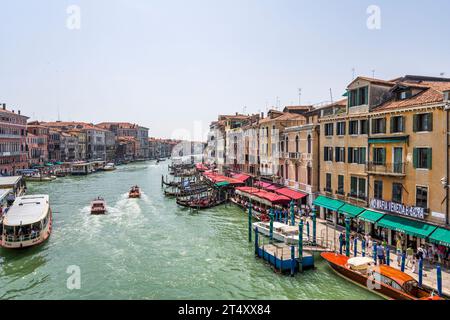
x=302, y=160
x=13, y=153
x=384, y=159
x=54, y=145
x=126, y=129
x=37, y=143
x=274, y=148
x=126, y=148
x=81, y=141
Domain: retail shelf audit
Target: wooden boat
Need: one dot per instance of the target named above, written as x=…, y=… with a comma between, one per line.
x=383, y=280
x=109, y=167
x=98, y=206
x=202, y=203
x=135, y=192
x=28, y=222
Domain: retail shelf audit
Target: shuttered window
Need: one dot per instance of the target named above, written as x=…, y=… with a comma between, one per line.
x=423, y=122
x=378, y=125
x=397, y=124
x=422, y=158
x=379, y=156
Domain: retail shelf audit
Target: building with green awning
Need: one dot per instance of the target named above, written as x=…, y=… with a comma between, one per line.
x=370, y=216
x=383, y=140
x=328, y=203
x=222, y=184
x=441, y=236
x=350, y=210
x=410, y=227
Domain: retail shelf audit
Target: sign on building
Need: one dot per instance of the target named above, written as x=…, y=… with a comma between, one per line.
x=389, y=206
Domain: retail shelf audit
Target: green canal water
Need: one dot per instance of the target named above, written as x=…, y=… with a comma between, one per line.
x=150, y=248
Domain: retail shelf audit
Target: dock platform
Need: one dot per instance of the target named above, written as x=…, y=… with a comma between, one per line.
x=279, y=256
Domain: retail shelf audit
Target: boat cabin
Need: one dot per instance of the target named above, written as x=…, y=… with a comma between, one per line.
x=27, y=222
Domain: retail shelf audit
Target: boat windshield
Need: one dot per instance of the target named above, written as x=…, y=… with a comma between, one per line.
x=22, y=233
x=411, y=287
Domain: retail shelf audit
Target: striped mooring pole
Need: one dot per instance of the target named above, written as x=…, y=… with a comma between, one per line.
x=307, y=230
x=420, y=272
x=292, y=214
x=347, y=236
x=271, y=224
x=388, y=256
x=403, y=262
x=355, y=247
x=363, y=247
x=300, y=245
x=292, y=261
x=374, y=252
x=314, y=227
x=439, y=279
x=250, y=222
x=256, y=241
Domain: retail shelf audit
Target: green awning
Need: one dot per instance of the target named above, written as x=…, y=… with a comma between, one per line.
x=59, y=162
x=411, y=227
x=370, y=216
x=441, y=236
x=49, y=164
x=350, y=210
x=328, y=203
x=389, y=140
x=222, y=184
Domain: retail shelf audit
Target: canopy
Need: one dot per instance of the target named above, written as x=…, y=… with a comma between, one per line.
x=241, y=177
x=411, y=227
x=214, y=177
x=384, y=140
x=59, y=162
x=249, y=190
x=294, y=195
x=371, y=216
x=222, y=184
x=441, y=236
x=328, y=203
x=273, y=187
x=49, y=164
x=272, y=197
x=262, y=184
x=201, y=167
x=350, y=210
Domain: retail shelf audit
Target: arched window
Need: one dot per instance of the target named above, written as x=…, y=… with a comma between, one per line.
x=287, y=144
x=309, y=144
x=296, y=171
x=287, y=171
x=308, y=178
x=296, y=144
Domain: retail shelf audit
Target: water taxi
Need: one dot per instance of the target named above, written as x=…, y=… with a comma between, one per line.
x=109, y=167
x=383, y=280
x=98, y=206
x=27, y=222
x=135, y=192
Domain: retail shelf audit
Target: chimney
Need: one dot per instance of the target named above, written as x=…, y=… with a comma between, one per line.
x=18, y=112
x=12, y=111
x=4, y=106
x=262, y=115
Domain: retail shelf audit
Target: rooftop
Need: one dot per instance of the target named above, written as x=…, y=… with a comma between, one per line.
x=27, y=210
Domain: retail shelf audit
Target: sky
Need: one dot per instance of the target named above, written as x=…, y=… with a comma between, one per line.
x=175, y=65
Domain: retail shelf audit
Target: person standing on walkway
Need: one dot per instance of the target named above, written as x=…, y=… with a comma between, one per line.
x=409, y=256
x=380, y=254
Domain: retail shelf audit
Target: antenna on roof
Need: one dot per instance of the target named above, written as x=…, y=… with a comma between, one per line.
x=299, y=96
x=244, y=109
x=353, y=73
x=59, y=116
x=373, y=74
x=331, y=95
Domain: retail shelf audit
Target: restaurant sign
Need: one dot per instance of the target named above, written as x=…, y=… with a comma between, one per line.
x=389, y=206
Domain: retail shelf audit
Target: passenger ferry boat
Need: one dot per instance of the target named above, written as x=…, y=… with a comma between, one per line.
x=135, y=192
x=27, y=222
x=384, y=280
x=98, y=206
x=109, y=167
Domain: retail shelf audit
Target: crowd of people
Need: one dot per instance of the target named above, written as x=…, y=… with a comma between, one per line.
x=430, y=254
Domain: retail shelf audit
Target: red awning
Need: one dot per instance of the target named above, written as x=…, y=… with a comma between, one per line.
x=249, y=190
x=214, y=177
x=262, y=184
x=273, y=187
x=272, y=197
x=201, y=167
x=294, y=195
x=241, y=177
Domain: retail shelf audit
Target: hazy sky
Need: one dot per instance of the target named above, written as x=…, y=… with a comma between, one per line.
x=166, y=64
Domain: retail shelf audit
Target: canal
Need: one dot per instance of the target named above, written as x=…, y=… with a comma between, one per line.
x=150, y=248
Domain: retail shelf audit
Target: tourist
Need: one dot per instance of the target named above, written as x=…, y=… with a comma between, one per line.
x=380, y=254
x=409, y=256
x=367, y=238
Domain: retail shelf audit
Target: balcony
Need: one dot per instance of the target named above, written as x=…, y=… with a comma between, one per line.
x=388, y=169
x=294, y=155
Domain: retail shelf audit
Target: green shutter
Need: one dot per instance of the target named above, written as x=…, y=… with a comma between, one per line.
x=415, y=156
x=383, y=125
x=357, y=97
x=429, y=158
x=366, y=89
x=415, y=123
x=350, y=155
x=362, y=155
x=383, y=155
x=430, y=122
x=402, y=124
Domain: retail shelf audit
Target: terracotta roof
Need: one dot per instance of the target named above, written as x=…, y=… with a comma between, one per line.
x=284, y=117
x=72, y=125
x=375, y=81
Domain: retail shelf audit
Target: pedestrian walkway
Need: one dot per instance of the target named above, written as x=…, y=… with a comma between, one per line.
x=328, y=236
